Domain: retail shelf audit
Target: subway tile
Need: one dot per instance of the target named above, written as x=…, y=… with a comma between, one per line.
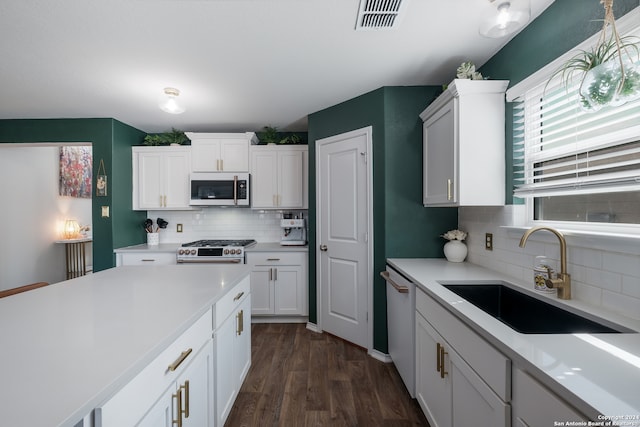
x=622, y=304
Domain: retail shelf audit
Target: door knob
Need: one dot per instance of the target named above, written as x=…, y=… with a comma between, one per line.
x=323, y=248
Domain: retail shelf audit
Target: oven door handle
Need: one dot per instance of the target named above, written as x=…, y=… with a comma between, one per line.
x=211, y=261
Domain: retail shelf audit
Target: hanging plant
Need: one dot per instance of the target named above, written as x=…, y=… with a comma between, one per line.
x=610, y=70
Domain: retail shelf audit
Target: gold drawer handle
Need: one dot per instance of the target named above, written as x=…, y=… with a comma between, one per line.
x=237, y=297
x=180, y=359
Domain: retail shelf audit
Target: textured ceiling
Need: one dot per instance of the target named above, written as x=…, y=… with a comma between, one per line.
x=239, y=64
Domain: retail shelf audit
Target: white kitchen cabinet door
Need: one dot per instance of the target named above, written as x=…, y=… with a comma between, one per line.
x=262, y=293
x=161, y=178
x=221, y=152
x=233, y=355
x=194, y=388
x=278, y=177
x=289, y=295
x=242, y=344
x=278, y=283
x=439, y=158
x=464, y=138
x=472, y=399
x=290, y=179
x=264, y=178
x=161, y=414
x=432, y=391
x=534, y=405
x=197, y=382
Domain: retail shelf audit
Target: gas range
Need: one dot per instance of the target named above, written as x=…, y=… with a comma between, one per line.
x=214, y=251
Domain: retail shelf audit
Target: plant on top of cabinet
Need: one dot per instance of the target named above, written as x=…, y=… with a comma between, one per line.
x=174, y=137
x=269, y=135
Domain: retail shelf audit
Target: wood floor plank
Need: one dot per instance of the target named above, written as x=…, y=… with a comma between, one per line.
x=302, y=378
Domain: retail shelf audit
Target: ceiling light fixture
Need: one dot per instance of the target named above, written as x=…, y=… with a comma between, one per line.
x=169, y=101
x=510, y=17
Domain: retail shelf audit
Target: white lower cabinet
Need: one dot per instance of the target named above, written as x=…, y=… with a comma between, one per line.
x=181, y=373
x=529, y=396
x=233, y=348
x=196, y=379
x=460, y=379
x=189, y=401
x=278, y=283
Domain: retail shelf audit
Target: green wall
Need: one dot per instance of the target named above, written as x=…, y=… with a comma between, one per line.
x=112, y=141
x=561, y=27
x=402, y=226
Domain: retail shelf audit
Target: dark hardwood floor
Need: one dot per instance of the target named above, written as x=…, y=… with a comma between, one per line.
x=302, y=378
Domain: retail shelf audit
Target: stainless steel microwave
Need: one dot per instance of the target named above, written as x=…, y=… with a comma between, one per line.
x=219, y=189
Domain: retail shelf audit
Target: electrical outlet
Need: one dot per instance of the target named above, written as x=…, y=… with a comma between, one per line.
x=488, y=241
x=178, y=228
x=105, y=211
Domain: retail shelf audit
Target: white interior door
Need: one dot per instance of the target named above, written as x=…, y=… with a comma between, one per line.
x=344, y=220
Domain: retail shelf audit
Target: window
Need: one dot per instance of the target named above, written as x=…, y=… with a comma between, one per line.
x=572, y=165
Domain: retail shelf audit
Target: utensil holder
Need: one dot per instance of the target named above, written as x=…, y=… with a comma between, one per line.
x=153, y=239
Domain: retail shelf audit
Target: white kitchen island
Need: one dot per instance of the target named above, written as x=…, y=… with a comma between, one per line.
x=67, y=348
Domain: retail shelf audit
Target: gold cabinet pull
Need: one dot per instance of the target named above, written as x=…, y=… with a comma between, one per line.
x=237, y=297
x=270, y=274
x=178, y=396
x=438, y=357
x=180, y=359
x=186, y=398
x=273, y=259
x=240, y=322
x=443, y=372
x=275, y=274
x=449, y=189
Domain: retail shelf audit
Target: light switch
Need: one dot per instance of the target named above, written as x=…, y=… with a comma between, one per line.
x=178, y=228
x=105, y=212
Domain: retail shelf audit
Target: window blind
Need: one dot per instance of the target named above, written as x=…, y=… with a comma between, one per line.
x=559, y=149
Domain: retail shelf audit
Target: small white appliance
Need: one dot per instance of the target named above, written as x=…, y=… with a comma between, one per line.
x=219, y=189
x=294, y=232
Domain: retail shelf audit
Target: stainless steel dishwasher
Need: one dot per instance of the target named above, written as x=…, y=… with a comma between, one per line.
x=401, y=327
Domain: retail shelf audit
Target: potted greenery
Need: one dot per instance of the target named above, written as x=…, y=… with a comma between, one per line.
x=174, y=137
x=269, y=135
x=610, y=74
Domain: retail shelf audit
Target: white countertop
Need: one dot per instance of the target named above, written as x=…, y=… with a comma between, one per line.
x=173, y=247
x=597, y=373
x=67, y=347
x=276, y=247
x=162, y=247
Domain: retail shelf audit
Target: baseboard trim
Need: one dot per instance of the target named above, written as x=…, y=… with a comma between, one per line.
x=279, y=319
x=313, y=327
x=378, y=355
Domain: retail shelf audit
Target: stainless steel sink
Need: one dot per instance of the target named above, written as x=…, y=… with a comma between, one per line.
x=526, y=314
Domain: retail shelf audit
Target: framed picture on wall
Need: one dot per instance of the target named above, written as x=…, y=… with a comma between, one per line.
x=101, y=181
x=75, y=171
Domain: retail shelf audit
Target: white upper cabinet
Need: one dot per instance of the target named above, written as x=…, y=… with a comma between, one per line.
x=278, y=177
x=221, y=152
x=464, y=152
x=161, y=177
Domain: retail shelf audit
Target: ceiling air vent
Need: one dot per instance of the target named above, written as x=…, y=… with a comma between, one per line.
x=379, y=14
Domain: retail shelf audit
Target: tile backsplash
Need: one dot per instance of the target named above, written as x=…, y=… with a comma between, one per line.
x=221, y=223
x=605, y=277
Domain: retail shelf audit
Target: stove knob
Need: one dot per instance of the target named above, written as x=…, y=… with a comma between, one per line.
x=226, y=251
x=193, y=251
x=180, y=252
